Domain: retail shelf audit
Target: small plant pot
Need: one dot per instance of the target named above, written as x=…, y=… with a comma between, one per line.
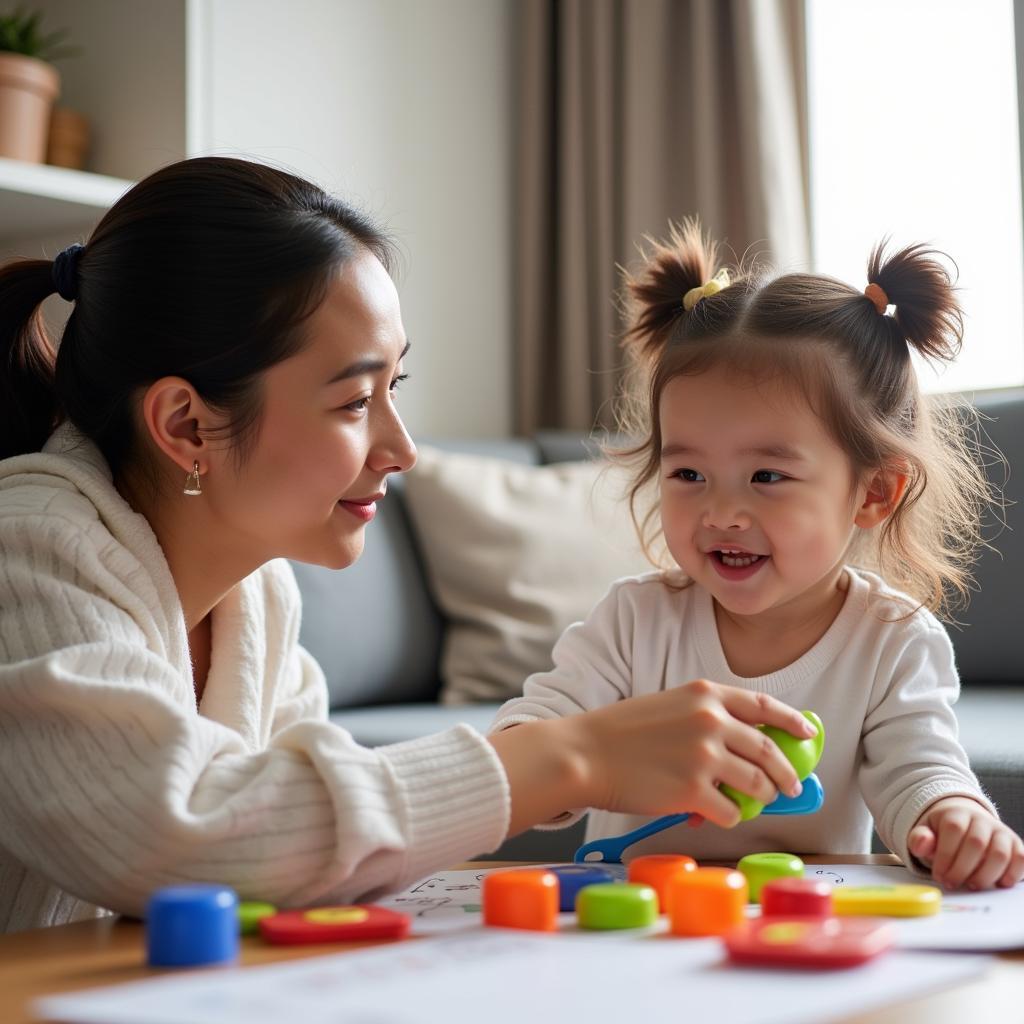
x=28, y=87
x=68, y=145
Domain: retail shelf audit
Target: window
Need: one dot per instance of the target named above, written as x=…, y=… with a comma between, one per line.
x=913, y=129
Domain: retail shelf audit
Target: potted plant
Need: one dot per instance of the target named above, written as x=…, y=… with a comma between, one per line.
x=29, y=84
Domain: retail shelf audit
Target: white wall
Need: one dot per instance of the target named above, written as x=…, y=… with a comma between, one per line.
x=128, y=78
x=404, y=107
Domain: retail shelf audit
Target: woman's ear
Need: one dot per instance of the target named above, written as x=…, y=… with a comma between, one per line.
x=885, y=490
x=177, y=420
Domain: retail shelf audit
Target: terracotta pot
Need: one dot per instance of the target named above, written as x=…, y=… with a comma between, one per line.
x=28, y=88
x=68, y=145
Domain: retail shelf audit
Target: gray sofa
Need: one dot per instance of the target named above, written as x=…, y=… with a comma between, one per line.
x=377, y=632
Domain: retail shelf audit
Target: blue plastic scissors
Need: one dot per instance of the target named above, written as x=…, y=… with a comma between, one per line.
x=611, y=849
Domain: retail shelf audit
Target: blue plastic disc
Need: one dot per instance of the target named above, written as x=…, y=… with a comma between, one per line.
x=190, y=925
x=572, y=878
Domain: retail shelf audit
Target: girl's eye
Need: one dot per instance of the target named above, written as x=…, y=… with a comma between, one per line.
x=398, y=380
x=767, y=476
x=691, y=476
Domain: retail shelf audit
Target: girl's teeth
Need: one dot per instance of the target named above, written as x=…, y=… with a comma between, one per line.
x=739, y=561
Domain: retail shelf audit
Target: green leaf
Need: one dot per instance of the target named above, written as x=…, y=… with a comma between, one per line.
x=20, y=33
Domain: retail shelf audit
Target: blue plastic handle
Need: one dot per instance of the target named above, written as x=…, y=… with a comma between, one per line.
x=610, y=849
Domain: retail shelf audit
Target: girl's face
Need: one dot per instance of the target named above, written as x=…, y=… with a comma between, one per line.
x=329, y=434
x=758, y=503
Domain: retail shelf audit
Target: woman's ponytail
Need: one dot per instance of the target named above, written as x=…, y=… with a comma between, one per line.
x=927, y=313
x=29, y=409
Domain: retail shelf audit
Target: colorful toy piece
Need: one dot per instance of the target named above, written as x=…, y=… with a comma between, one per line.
x=614, y=905
x=802, y=754
x=573, y=877
x=761, y=868
x=707, y=901
x=191, y=925
x=657, y=870
x=250, y=912
x=887, y=900
x=796, y=897
x=522, y=898
x=808, y=942
x=334, y=924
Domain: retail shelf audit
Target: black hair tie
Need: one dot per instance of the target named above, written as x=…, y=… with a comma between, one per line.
x=65, y=271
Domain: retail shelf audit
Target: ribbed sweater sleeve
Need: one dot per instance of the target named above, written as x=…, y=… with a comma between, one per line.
x=112, y=783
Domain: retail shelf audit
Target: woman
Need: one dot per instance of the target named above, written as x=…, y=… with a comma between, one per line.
x=222, y=399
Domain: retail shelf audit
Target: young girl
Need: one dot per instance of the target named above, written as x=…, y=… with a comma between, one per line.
x=223, y=399
x=793, y=452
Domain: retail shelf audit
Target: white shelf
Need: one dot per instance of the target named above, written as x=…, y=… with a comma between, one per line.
x=36, y=199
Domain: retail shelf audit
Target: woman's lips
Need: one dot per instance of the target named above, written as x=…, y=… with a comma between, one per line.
x=363, y=509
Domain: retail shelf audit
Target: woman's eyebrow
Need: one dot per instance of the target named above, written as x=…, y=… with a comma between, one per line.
x=364, y=366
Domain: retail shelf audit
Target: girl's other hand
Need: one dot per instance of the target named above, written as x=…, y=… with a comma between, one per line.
x=965, y=845
x=667, y=752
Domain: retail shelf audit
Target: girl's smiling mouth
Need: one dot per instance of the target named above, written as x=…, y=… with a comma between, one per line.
x=735, y=564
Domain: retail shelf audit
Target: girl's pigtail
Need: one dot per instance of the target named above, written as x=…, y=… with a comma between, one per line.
x=654, y=295
x=28, y=402
x=928, y=544
x=919, y=286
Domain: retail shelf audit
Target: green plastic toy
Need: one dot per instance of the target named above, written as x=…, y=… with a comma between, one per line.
x=803, y=755
x=613, y=905
x=761, y=868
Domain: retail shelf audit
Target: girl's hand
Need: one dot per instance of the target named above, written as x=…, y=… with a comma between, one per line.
x=667, y=752
x=965, y=845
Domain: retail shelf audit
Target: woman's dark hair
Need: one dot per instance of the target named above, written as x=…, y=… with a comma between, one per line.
x=206, y=270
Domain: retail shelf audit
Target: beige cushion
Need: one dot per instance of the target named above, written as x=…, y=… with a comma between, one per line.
x=515, y=553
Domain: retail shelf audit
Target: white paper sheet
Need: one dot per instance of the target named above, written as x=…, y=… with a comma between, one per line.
x=506, y=977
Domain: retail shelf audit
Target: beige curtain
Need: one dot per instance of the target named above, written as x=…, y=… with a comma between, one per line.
x=632, y=113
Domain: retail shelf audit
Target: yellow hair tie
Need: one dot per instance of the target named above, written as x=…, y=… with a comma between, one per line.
x=712, y=287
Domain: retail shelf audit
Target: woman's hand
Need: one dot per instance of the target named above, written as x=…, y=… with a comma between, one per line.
x=965, y=845
x=663, y=753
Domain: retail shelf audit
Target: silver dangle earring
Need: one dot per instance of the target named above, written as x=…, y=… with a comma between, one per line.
x=192, y=484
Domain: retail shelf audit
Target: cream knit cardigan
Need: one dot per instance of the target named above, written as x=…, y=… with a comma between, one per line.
x=113, y=782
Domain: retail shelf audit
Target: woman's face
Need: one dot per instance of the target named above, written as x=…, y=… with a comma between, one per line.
x=329, y=433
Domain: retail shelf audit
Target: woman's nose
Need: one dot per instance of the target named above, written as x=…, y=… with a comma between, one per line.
x=393, y=451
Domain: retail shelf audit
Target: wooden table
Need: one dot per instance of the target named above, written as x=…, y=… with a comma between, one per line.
x=109, y=950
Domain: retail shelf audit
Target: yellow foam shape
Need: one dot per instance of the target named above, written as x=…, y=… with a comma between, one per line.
x=887, y=900
x=336, y=915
